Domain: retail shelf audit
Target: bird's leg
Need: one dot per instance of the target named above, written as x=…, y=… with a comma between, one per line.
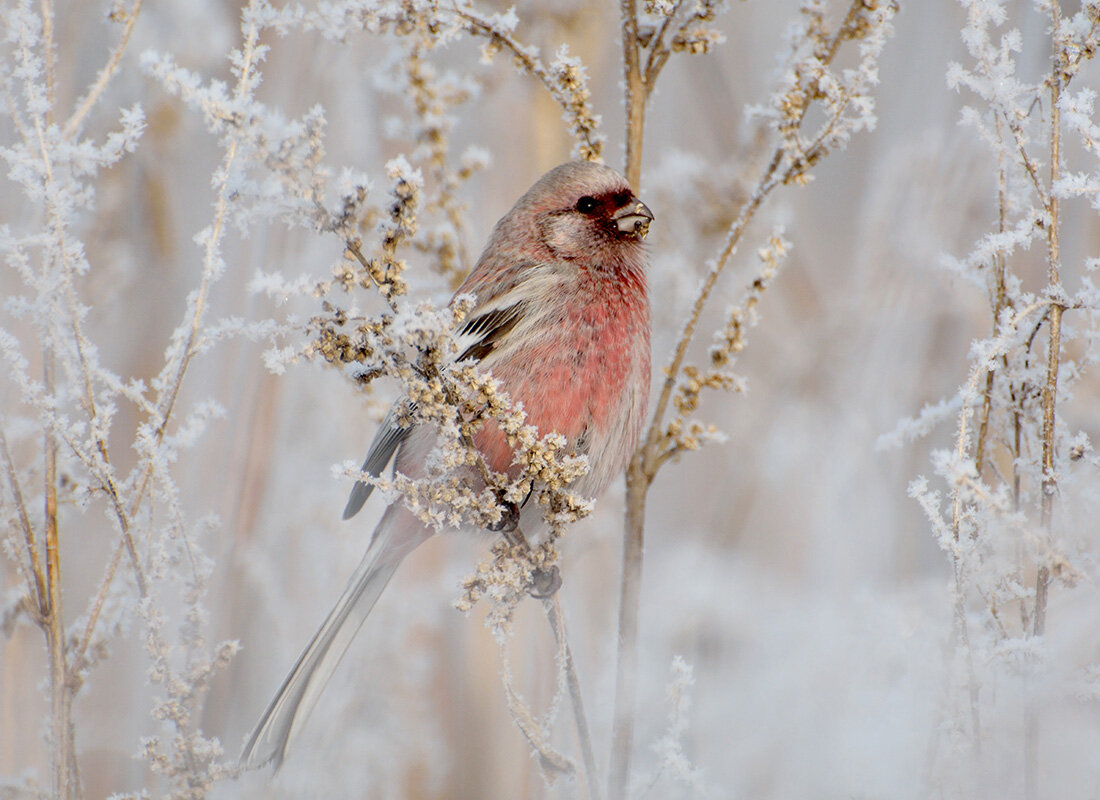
x=544, y=582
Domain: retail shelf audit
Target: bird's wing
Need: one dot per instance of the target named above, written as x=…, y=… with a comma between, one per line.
x=486, y=328
x=477, y=338
x=390, y=434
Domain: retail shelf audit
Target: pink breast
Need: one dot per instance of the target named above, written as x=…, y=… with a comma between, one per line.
x=576, y=377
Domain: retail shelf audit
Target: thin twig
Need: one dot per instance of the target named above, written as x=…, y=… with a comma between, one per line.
x=49, y=57
x=999, y=298
x=554, y=614
x=630, y=591
x=1054, y=343
x=549, y=758
x=1026, y=160
x=213, y=239
x=768, y=181
x=581, y=121
x=54, y=624
x=105, y=74
x=659, y=51
x=34, y=561
x=79, y=662
x=635, y=93
x=1050, y=387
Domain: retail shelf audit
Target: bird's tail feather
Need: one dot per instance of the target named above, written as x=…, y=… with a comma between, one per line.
x=283, y=720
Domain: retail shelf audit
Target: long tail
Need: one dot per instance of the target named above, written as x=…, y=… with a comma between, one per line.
x=397, y=535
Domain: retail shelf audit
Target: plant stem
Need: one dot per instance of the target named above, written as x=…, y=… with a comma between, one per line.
x=644, y=464
x=630, y=588
x=1054, y=343
x=626, y=673
x=999, y=300
x=53, y=624
x=1050, y=390
x=109, y=70
x=557, y=624
x=52, y=620
x=635, y=94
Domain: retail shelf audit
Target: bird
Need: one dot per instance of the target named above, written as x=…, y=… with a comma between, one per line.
x=561, y=319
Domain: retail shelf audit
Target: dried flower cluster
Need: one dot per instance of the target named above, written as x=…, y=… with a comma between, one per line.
x=433, y=95
x=807, y=81
x=565, y=78
x=676, y=26
x=684, y=434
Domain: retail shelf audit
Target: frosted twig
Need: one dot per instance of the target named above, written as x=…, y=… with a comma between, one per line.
x=550, y=760
x=568, y=85
x=681, y=435
x=110, y=68
x=1054, y=340
x=554, y=614
x=34, y=569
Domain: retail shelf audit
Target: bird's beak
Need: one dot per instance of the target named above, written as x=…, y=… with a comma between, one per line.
x=634, y=218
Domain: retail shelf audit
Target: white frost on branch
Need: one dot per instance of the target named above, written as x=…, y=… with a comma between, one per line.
x=674, y=765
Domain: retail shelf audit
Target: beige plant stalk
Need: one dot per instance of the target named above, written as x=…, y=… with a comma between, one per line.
x=792, y=158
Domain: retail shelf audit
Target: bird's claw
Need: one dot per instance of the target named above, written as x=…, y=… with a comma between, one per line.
x=545, y=583
x=509, y=518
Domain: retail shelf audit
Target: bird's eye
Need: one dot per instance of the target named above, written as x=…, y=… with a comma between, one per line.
x=586, y=205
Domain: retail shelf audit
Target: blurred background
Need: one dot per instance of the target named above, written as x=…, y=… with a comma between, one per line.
x=787, y=566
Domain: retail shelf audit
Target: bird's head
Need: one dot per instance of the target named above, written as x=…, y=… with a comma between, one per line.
x=583, y=210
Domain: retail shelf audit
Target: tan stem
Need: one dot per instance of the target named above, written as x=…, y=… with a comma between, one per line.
x=634, y=95
x=626, y=674
x=999, y=300
x=53, y=623
x=1054, y=343
x=49, y=56
x=556, y=617
x=654, y=450
x=630, y=587
x=109, y=69
x=1050, y=391
x=36, y=575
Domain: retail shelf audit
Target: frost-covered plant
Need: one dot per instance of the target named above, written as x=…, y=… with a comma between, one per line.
x=1014, y=484
x=370, y=318
x=71, y=423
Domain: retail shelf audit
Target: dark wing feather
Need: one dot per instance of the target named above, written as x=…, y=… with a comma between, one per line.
x=389, y=436
x=482, y=332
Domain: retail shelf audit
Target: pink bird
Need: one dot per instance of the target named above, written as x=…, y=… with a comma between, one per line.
x=562, y=321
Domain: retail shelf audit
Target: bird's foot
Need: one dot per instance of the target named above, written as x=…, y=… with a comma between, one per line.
x=509, y=517
x=545, y=583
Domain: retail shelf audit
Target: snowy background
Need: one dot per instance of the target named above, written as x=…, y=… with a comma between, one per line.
x=803, y=590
